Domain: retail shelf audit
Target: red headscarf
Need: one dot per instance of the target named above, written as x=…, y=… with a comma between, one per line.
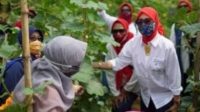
x=152, y=13
x=128, y=19
x=126, y=73
x=188, y=4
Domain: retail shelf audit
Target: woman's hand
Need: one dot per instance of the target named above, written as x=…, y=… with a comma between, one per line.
x=102, y=65
x=78, y=90
x=175, y=106
x=121, y=98
x=96, y=64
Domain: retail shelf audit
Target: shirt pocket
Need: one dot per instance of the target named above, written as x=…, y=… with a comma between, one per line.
x=157, y=65
x=158, y=72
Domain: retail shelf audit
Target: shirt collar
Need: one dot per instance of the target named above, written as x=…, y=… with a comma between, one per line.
x=153, y=42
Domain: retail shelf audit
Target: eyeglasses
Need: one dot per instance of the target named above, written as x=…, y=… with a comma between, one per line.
x=118, y=30
x=145, y=21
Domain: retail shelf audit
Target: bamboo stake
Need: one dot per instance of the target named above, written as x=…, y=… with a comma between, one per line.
x=197, y=67
x=26, y=52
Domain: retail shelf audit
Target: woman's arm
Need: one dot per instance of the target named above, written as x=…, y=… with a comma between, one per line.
x=107, y=18
x=122, y=60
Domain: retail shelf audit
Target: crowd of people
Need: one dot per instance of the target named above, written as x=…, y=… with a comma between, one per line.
x=145, y=64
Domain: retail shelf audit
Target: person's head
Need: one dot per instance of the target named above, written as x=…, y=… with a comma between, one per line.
x=185, y=4
x=119, y=30
x=66, y=53
x=125, y=12
x=148, y=22
x=35, y=38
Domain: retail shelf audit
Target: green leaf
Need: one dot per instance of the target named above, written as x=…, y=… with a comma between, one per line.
x=85, y=74
x=191, y=29
x=95, y=88
x=79, y=3
x=41, y=87
x=16, y=107
x=105, y=38
x=8, y=51
x=101, y=103
x=28, y=91
x=102, y=6
x=188, y=88
x=91, y=4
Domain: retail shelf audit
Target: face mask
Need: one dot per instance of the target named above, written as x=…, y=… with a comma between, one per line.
x=146, y=29
x=35, y=47
x=68, y=70
x=126, y=15
x=72, y=70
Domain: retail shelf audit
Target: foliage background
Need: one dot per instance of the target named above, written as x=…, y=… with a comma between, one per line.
x=79, y=19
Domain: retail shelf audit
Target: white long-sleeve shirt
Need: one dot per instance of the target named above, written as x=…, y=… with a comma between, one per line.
x=111, y=19
x=158, y=74
x=111, y=78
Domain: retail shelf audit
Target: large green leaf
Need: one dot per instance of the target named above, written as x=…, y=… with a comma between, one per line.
x=191, y=29
x=16, y=107
x=95, y=88
x=105, y=38
x=102, y=6
x=85, y=74
x=8, y=51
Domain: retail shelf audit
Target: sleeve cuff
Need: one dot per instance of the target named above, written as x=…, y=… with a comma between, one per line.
x=113, y=62
x=116, y=93
x=101, y=13
x=177, y=91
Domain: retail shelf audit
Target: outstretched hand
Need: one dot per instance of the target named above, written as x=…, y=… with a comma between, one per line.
x=96, y=64
x=121, y=98
x=78, y=90
x=102, y=65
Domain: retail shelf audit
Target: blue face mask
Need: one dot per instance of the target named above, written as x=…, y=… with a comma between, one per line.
x=146, y=29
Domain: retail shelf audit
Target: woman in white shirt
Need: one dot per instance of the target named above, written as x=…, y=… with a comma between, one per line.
x=155, y=64
x=117, y=80
x=125, y=12
x=178, y=38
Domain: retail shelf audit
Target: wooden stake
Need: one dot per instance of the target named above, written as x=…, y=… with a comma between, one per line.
x=26, y=52
x=196, y=68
